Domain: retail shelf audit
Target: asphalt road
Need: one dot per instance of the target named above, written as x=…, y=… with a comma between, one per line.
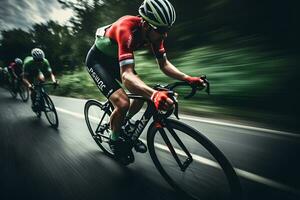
x=38, y=162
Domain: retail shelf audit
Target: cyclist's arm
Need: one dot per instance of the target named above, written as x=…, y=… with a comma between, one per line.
x=170, y=70
x=25, y=75
x=52, y=77
x=14, y=73
x=133, y=83
x=26, y=82
x=49, y=70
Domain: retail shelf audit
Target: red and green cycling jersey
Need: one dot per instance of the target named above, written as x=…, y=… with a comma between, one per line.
x=32, y=67
x=124, y=36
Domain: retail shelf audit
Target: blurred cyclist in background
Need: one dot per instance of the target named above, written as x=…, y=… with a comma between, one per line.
x=15, y=70
x=34, y=68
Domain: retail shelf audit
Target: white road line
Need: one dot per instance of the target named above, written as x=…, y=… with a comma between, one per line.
x=240, y=172
x=210, y=121
x=74, y=114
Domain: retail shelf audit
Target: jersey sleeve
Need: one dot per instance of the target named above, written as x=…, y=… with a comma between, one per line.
x=125, y=50
x=47, y=66
x=158, y=49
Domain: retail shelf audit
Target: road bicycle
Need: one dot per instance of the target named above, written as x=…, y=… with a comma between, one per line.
x=18, y=87
x=43, y=103
x=183, y=155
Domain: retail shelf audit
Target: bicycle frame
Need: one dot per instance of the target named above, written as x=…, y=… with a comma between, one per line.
x=158, y=121
x=148, y=114
x=40, y=91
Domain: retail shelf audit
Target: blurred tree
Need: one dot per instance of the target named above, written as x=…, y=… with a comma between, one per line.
x=56, y=41
x=15, y=43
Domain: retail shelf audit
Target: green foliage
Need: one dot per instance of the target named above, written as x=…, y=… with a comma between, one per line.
x=55, y=40
x=15, y=43
x=77, y=83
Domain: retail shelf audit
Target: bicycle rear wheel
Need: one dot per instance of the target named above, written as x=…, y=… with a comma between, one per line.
x=205, y=173
x=97, y=120
x=24, y=92
x=50, y=111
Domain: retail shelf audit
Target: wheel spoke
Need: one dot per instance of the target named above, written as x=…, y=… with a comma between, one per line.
x=97, y=119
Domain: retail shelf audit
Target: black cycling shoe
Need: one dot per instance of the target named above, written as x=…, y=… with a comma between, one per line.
x=121, y=150
x=140, y=147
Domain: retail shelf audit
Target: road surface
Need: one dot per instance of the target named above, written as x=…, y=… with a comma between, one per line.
x=38, y=162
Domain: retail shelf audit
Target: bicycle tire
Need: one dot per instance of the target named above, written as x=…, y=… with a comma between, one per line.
x=98, y=122
x=230, y=174
x=24, y=92
x=48, y=103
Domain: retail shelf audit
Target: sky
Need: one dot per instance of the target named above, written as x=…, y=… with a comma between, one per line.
x=24, y=13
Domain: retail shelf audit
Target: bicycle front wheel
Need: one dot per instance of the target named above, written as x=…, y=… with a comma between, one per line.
x=97, y=117
x=50, y=111
x=191, y=163
x=24, y=92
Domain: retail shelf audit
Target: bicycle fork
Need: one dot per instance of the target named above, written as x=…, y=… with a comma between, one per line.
x=182, y=165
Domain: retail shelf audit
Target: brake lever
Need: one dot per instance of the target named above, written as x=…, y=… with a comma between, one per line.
x=174, y=99
x=207, y=87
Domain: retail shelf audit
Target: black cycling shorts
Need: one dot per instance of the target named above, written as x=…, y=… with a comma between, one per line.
x=104, y=70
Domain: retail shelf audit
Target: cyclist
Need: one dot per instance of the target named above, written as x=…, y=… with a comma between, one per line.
x=15, y=70
x=111, y=59
x=34, y=66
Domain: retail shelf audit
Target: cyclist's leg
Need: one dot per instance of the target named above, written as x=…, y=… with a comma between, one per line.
x=10, y=79
x=13, y=83
x=97, y=66
x=135, y=106
x=28, y=78
x=120, y=101
x=38, y=77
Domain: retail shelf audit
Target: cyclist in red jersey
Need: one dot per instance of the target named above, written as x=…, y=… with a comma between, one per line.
x=15, y=70
x=111, y=59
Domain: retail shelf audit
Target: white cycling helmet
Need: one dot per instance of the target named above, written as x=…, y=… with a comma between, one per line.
x=37, y=54
x=158, y=13
x=18, y=61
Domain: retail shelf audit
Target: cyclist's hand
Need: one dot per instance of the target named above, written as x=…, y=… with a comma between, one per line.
x=161, y=100
x=195, y=81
